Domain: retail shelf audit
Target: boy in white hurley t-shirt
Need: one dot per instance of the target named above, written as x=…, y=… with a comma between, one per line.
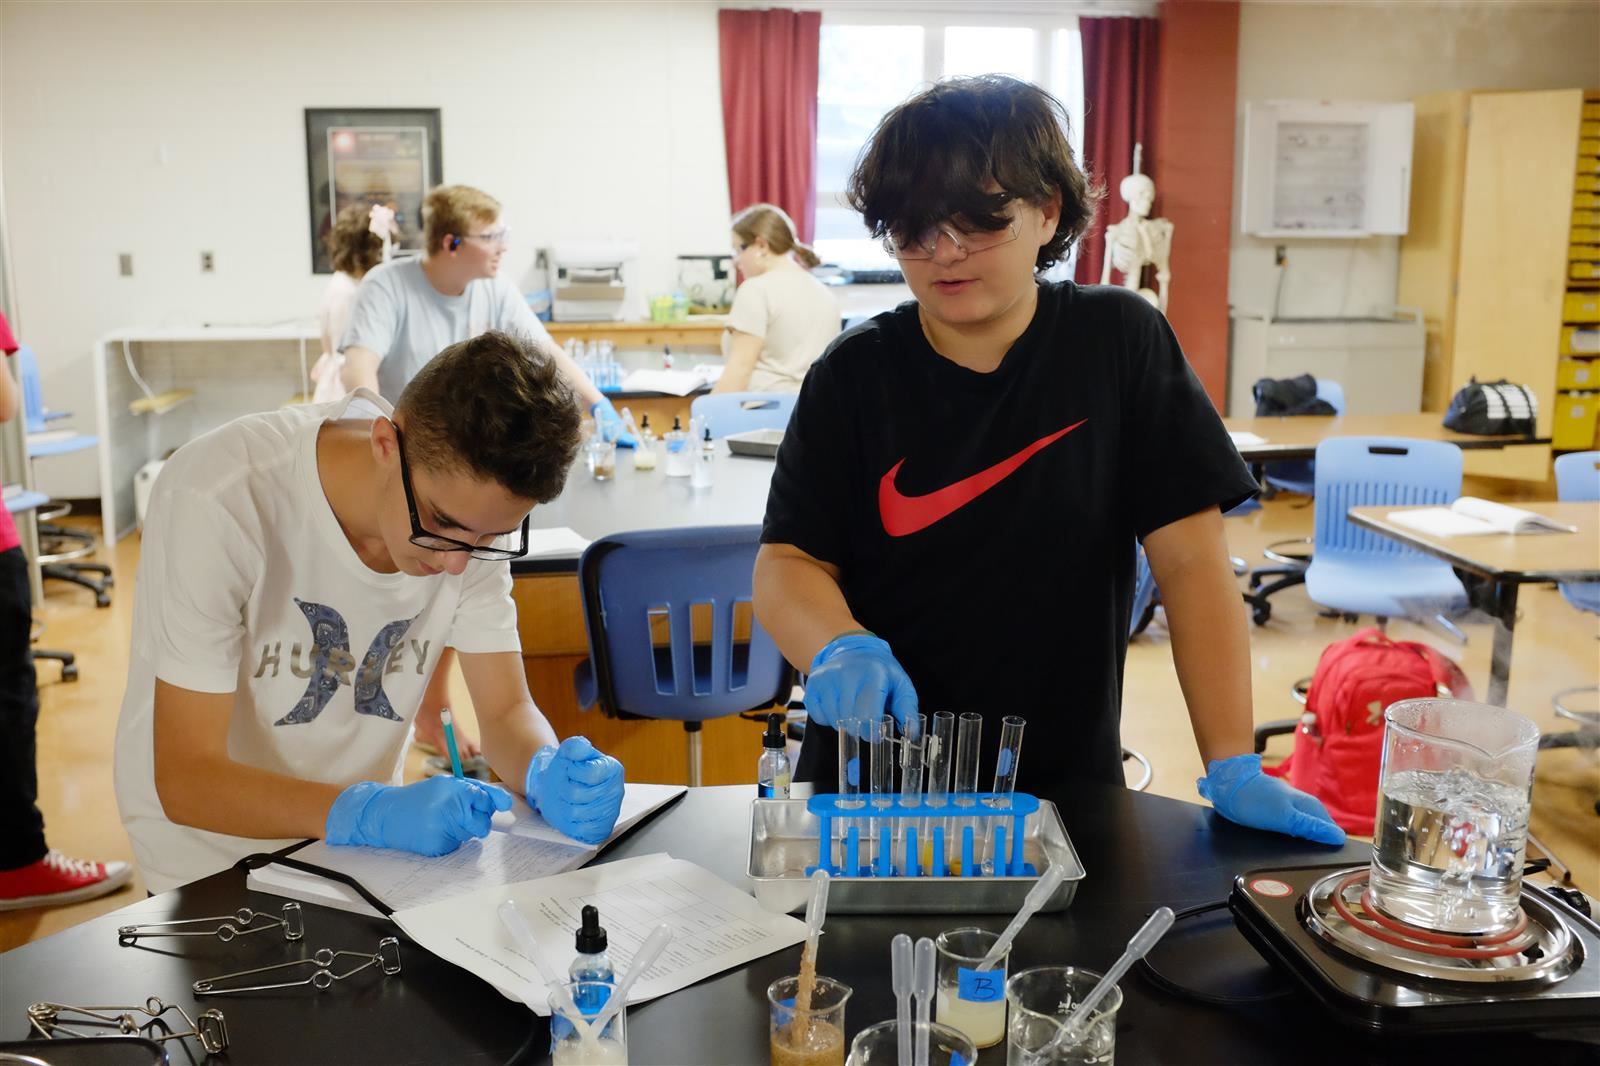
x=302, y=571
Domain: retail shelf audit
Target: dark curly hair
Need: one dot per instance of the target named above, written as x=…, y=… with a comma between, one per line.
x=496, y=408
x=352, y=246
x=930, y=158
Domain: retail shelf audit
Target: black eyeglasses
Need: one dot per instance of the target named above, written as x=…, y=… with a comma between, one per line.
x=424, y=538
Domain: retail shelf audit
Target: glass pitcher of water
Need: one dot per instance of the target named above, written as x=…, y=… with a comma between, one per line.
x=1452, y=827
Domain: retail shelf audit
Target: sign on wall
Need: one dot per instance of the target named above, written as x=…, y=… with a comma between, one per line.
x=363, y=156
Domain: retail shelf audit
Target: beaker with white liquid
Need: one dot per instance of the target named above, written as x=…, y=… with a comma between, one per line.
x=1452, y=826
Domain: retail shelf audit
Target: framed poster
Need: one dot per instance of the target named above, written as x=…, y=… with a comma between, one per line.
x=389, y=155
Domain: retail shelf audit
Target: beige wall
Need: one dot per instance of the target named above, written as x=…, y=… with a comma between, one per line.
x=1387, y=51
x=163, y=129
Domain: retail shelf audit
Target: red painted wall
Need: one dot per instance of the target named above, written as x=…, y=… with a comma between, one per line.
x=1193, y=170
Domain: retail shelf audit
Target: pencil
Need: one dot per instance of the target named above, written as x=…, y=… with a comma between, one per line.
x=450, y=741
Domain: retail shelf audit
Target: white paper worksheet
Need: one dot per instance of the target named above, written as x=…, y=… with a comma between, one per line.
x=716, y=926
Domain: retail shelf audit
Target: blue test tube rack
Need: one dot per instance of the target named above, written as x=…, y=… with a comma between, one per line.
x=891, y=811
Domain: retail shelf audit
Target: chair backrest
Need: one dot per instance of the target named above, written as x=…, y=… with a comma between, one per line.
x=1295, y=475
x=671, y=630
x=1377, y=471
x=1331, y=393
x=1144, y=591
x=740, y=412
x=1578, y=476
x=32, y=396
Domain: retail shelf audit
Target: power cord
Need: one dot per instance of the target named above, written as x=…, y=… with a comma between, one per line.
x=1174, y=988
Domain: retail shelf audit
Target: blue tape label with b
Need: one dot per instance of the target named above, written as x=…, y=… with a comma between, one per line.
x=980, y=986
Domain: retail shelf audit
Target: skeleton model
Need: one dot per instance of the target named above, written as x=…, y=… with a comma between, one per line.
x=1138, y=240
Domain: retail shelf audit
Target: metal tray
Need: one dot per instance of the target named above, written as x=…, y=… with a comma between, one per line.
x=783, y=842
x=759, y=442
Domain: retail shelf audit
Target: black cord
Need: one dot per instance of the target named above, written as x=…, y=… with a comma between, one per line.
x=1173, y=988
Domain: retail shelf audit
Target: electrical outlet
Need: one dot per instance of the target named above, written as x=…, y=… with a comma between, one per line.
x=1280, y=255
x=125, y=264
x=208, y=262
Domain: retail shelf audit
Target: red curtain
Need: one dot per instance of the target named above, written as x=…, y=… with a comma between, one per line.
x=1119, y=102
x=769, y=110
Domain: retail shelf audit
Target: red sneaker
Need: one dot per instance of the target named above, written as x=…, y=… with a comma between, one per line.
x=56, y=879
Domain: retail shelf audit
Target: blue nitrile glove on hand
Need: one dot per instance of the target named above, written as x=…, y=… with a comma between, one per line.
x=856, y=676
x=432, y=817
x=608, y=424
x=1241, y=793
x=577, y=788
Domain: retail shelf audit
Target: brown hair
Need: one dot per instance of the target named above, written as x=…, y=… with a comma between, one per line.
x=352, y=246
x=930, y=158
x=773, y=225
x=455, y=209
x=496, y=408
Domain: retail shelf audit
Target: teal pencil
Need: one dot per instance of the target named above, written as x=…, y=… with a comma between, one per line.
x=450, y=741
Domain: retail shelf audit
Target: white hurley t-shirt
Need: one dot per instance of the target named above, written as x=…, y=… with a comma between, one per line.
x=247, y=585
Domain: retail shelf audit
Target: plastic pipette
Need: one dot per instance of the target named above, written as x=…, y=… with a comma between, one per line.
x=900, y=977
x=923, y=989
x=517, y=925
x=1077, y=1021
x=645, y=958
x=1048, y=883
x=816, y=911
x=628, y=424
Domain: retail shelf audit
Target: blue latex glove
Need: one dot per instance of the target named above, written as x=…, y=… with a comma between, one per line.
x=577, y=789
x=856, y=676
x=1241, y=793
x=609, y=424
x=431, y=817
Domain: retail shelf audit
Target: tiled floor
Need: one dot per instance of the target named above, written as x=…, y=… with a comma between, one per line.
x=1556, y=648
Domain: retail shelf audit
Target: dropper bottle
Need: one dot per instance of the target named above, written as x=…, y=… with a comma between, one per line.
x=592, y=963
x=773, y=773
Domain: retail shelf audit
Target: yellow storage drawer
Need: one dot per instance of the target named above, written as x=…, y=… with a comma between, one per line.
x=1589, y=129
x=1591, y=109
x=1581, y=307
x=1580, y=271
x=1585, y=218
x=1585, y=235
x=1578, y=374
x=1587, y=182
x=1583, y=253
x=1586, y=201
x=1575, y=420
x=1589, y=163
x=1580, y=340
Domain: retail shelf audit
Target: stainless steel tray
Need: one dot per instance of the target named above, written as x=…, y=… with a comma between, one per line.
x=759, y=442
x=783, y=842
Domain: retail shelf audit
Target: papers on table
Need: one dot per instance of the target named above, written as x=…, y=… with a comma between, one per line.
x=1472, y=517
x=516, y=851
x=716, y=926
x=1242, y=439
x=558, y=541
x=672, y=382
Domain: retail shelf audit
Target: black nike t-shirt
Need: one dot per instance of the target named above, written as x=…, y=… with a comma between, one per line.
x=984, y=524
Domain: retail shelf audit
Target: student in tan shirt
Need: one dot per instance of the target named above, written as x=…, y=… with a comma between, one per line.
x=782, y=317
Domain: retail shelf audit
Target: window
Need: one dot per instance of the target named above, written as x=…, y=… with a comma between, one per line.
x=866, y=67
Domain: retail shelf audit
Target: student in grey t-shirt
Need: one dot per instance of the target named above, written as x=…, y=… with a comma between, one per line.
x=408, y=311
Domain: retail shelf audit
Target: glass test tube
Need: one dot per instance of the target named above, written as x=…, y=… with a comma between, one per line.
x=941, y=750
x=969, y=736
x=882, y=736
x=913, y=756
x=849, y=731
x=1005, y=783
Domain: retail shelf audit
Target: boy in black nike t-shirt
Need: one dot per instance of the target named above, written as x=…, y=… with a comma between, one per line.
x=953, y=517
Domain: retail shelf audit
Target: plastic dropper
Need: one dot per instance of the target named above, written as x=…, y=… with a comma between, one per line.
x=1041, y=891
x=1072, y=1029
x=517, y=925
x=922, y=988
x=816, y=912
x=900, y=978
x=645, y=958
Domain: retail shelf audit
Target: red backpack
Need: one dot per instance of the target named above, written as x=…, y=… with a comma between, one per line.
x=1339, y=745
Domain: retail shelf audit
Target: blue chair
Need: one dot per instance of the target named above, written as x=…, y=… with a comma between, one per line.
x=740, y=412
x=1356, y=571
x=21, y=500
x=59, y=546
x=667, y=636
x=1291, y=475
x=1578, y=479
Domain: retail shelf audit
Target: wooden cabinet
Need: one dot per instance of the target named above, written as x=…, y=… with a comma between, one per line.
x=1494, y=203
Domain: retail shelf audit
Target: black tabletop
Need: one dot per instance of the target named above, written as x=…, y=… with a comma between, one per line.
x=1140, y=852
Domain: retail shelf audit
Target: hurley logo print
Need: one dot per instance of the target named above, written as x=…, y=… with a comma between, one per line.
x=332, y=664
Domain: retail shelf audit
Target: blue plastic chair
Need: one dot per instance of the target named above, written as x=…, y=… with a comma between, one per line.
x=59, y=546
x=1356, y=571
x=1291, y=475
x=740, y=412
x=642, y=593
x=1578, y=479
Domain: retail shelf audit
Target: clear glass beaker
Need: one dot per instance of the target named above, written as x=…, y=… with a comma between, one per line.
x=568, y=1046
x=814, y=1036
x=1040, y=1000
x=1452, y=826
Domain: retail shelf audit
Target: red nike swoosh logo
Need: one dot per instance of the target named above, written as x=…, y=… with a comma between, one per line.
x=903, y=515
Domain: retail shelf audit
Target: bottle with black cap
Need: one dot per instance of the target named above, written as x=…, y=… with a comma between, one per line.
x=592, y=963
x=772, y=772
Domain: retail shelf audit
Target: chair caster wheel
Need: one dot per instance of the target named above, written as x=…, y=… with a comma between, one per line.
x=69, y=672
x=102, y=600
x=1260, y=614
